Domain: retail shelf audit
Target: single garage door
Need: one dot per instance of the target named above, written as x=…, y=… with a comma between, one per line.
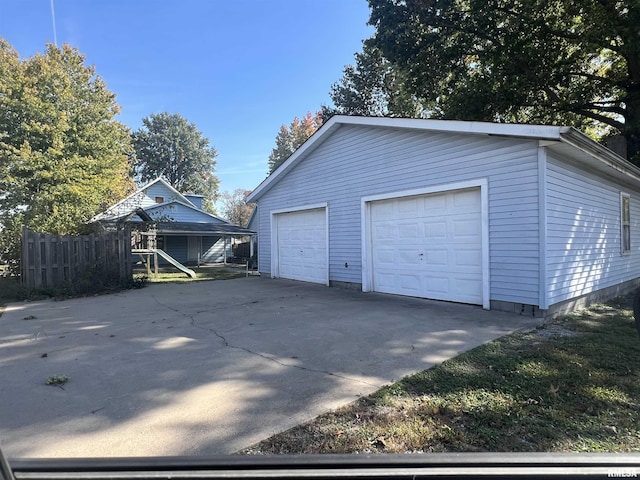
x=429, y=246
x=302, y=245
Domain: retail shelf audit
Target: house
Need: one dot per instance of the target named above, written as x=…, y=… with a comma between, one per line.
x=183, y=229
x=525, y=218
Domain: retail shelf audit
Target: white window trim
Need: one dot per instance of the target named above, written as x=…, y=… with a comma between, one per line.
x=624, y=251
x=365, y=206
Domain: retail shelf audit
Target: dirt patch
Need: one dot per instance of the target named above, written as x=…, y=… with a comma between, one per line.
x=554, y=330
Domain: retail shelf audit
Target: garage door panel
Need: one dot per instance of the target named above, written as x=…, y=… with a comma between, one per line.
x=383, y=231
x=382, y=209
x=466, y=227
x=385, y=257
x=406, y=256
x=435, y=229
x=466, y=258
x=410, y=205
x=465, y=290
x=408, y=231
x=409, y=282
x=435, y=243
x=436, y=258
x=387, y=281
x=302, y=245
x=467, y=200
x=439, y=286
x=435, y=203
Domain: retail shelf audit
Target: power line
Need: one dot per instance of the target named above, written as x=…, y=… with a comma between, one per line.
x=53, y=20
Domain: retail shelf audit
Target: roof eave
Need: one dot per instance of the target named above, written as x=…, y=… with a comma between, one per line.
x=306, y=148
x=582, y=142
x=568, y=135
x=452, y=126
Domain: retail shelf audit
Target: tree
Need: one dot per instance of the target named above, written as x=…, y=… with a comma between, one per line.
x=374, y=88
x=290, y=138
x=235, y=207
x=168, y=145
x=63, y=156
x=573, y=62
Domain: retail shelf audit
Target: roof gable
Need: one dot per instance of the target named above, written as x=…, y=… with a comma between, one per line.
x=176, y=211
x=601, y=157
x=154, y=194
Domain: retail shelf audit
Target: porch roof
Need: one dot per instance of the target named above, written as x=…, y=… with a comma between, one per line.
x=186, y=228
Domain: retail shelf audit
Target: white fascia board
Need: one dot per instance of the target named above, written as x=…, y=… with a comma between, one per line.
x=458, y=126
x=300, y=208
x=582, y=142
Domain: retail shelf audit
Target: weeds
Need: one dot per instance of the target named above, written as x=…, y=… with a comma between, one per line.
x=58, y=380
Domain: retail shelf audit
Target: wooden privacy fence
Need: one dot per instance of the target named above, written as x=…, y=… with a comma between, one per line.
x=58, y=260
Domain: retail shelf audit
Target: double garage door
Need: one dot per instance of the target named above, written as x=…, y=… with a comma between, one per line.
x=427, y=246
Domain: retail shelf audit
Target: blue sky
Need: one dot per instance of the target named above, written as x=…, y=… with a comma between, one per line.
x=238, y=69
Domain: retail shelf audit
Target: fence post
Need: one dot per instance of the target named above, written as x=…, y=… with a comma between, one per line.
x=24, y=258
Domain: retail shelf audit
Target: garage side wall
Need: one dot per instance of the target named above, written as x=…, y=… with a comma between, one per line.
x=584, y=251
x=360, y=161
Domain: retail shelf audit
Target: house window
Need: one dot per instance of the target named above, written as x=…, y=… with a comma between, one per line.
x=159, y=199
x=625, y=224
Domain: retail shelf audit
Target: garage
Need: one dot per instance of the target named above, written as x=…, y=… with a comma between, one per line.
x=301, y=245
x=428, y=246
x=519, y=218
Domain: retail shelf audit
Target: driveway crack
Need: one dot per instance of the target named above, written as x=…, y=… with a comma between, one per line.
x=226, y=343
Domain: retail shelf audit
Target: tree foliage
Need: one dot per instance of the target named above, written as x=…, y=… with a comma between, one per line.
x=290, y=137
x=63, y=156
x=572, y=62
x=170, y=146
x=235, y=207
x=372, y=87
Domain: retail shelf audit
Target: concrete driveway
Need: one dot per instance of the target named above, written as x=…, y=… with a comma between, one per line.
x=211, y=367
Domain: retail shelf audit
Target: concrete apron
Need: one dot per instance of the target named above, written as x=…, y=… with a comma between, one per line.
x=211, y=367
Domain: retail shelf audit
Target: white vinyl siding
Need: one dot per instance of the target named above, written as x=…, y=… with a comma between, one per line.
x=154, y=191
x=359, y=161
x=584, y=233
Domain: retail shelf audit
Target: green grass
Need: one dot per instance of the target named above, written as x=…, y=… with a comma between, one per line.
x=12, y=291
x=172, y=275
x=572, y=385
